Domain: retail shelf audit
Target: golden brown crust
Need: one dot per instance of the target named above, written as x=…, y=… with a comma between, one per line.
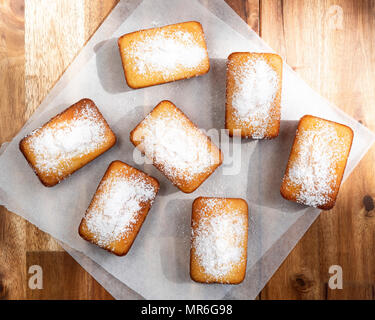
x=183, y=185
x=52, y=180
x=287, y=190
x=231, y=124
x=238, y=272
x=135, y=82
x=121, y=246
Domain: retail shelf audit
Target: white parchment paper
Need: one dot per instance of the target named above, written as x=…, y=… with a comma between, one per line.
x=157, y=266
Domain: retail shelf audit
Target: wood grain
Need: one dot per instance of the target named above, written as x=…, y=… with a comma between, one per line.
x=12, y=110
x=248, y=10
x=63, y=278
x=330, y=44
x=55, y=32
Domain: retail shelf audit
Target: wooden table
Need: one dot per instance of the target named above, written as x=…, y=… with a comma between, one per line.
x=330, y=44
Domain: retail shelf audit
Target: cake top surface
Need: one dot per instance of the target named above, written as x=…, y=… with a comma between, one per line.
x=165, y=51
x=313, y=170
x=256, y=84
x=116, y=205
x=63, y=139
x=171, y=140
x=218, y=237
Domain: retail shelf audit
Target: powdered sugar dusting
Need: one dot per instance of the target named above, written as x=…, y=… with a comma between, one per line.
x=55, y=146
x=166, y=53
x=116, y=209
x=183, y=151
x=218, y=239
x=256, y=86
x=314, y=168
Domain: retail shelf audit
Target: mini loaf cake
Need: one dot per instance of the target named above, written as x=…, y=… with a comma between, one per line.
x=166, y=54
x=118, y=208
x=219, y=240
x=176, y=146
x=317, y=162
x=67, y=142
x=253, y=95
